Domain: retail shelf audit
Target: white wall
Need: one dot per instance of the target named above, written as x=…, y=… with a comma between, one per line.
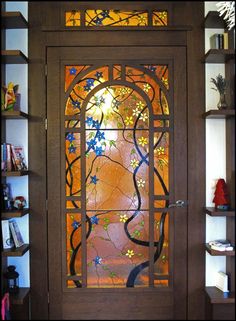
x=215, y=158
x=17, y=131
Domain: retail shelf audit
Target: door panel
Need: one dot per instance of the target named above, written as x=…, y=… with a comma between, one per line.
x=116, y=160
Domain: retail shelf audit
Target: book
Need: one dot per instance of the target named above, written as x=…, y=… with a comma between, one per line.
x=16, y=234
x=4, y=157
x=217, y=41
x=19, y=157
x=226, y=40
x=7, y=241
x=9, y=159
x=6, y=196
x=221, y=245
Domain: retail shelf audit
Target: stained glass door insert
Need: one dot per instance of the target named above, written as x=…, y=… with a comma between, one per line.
x=109, y=111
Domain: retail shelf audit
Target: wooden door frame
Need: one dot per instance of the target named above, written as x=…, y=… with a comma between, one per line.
x=42, y=35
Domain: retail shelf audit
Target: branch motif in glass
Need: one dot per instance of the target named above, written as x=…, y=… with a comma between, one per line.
x=159, y=18
x=73, y=164
x=73, y=18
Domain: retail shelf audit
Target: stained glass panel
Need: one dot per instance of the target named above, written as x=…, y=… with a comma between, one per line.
x=161, y=267
x=159, y=18
x=113, y=259
x=117, y=177
x=115, y=18
x=117, y=107
x=73, y=204
x=161, y=163
x=73, y=246
x=73, y=164
x=150, y=85
x=121, y=18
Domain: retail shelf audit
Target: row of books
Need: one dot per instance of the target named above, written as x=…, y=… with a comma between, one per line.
x=12, y=158
x=11, y=235
x=219, y=41
x=221, y=245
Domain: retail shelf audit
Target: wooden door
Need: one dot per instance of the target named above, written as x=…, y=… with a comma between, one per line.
x=117, y=159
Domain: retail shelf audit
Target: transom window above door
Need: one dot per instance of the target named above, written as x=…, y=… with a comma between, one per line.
x=116, y=18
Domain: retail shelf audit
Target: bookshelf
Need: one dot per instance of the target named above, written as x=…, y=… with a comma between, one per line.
x=220, y=305
x=19, y=302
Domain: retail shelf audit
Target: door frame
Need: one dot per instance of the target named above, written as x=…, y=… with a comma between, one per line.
x=192, y=38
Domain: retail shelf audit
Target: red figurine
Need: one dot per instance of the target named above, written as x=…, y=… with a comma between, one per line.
x=221, y=198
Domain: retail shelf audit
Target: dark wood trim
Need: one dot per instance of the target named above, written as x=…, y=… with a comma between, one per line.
x=18, y=251
x=14, y=213
x=13, y=57
x=13, y=20
x=37, y=162
x=14, y=114
x=15, y=173
x=219, y=114
x=213, y=20
x=218, y=56
x=214, y=212
x=192, y=14
x=216, y=296
x=218, y=253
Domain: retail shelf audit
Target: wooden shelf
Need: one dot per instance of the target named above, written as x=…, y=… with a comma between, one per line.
x=216, y=296
x=13, y=57
x=15, y=173
x=14, y=213
x=219, y=253
x=219, y=114
x=214, y=212
x=217, y=56
x=14, y=114
x=20, y=297
x=19, y=251
x=13, y=20
x=213, y=20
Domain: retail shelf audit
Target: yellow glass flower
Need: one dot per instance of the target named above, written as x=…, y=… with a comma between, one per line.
x=123, y=91
x=142, y=20
x=130, y=253
x=146, y=88
x=123, y=218
x=140, y=104
x=165, y=81
x=136, y=112
x=142, y=141
x=163, y=14
x=134, y=163
x=140, y=182
x=129, y=120
x=161, y=151
x=143, y=117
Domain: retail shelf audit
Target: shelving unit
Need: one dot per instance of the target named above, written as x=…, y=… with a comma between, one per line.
x=220, y=305
x=19, y=302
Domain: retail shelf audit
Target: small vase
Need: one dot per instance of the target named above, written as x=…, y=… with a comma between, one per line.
x=222, y=102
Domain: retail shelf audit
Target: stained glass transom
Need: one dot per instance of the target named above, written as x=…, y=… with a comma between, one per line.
x=114, y=18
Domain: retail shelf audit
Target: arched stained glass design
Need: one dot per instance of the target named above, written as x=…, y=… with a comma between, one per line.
x=117, y=142
x=116, y=18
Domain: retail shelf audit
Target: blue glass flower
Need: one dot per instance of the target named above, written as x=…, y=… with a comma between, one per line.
x=90, y=82
x=72, y=71
x=98, y=151
x=89, y=121
x=76, y=104
x=72, y=149
x=98, y=21
x=94, y=179
x=98, y=74
x=70, y=137
x=96, y=124
x=152, y=68
x=91, y=143
x=100, y=135
x=87, y=88
x=75, y=224
x=94, y=220
x=97, y=260
x=116, y=104
x=105, y=13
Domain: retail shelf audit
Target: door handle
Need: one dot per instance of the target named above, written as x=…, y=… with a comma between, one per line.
x=178, y=203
